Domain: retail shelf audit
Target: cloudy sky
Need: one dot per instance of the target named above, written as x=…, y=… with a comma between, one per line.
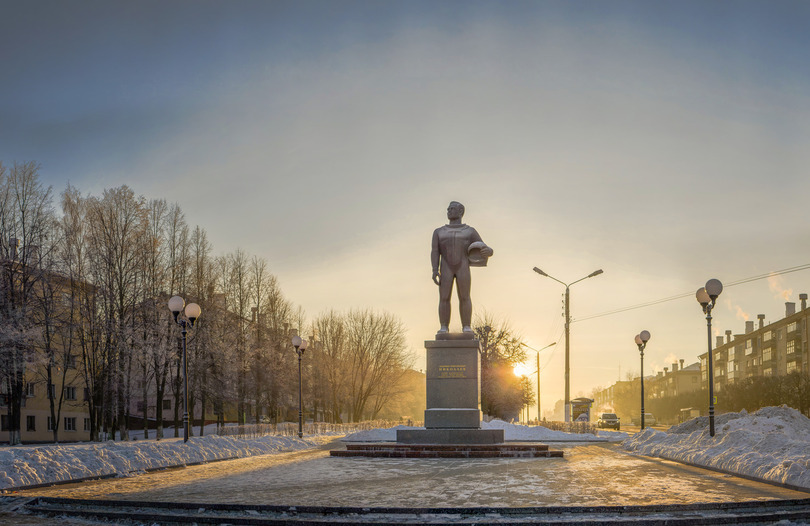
x=664, y=142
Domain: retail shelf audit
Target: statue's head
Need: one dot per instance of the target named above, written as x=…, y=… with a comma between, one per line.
x=455, y=210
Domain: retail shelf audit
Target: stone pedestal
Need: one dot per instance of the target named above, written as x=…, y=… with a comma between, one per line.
x=453, y=413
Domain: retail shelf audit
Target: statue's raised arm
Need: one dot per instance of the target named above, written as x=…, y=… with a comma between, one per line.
x=454, y=248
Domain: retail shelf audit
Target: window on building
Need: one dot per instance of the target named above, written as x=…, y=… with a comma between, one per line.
x=70, y=423
x=730, y=366
x=766, y=355
x=749, y=346
x=70, y=361
x=5, y=423
x=70, y=392
x=30, y=423
x=791, y=327
x=167, y=404
x=790, y=346
x=87, y=424
x=766, y=336
x=792, y=366
x=30, y=389
x=51, y=391
x=767, y=372
x=50, y=424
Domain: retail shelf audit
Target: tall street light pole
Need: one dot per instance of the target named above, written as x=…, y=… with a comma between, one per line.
x=641, y=341
x=567, y=334
x=192, y=312
x=300, y=346
x=707, y=297
x=552, y=344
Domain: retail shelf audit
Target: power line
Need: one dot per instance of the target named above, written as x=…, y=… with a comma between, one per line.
x=688, y=294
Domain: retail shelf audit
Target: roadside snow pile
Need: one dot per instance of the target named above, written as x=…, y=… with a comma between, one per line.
x=511, y=432
x=771, y=444
x=32, y=465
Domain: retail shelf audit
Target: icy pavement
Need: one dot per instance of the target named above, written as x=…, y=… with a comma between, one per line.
x=770, y=444
x=592, y=474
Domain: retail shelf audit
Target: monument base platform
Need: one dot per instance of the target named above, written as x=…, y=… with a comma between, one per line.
x=450, y=436
x=392, y=450
x=438, y=418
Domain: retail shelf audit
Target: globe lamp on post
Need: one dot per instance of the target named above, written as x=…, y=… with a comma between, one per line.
x=641, y=341
x=300, y=346
x=191, y=314
x=707, y=297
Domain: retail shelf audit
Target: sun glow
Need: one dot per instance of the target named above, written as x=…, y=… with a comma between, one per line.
x=522, y=369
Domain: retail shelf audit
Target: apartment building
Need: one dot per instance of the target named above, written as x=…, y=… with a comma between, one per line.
x=675, y=380
x=774, y=349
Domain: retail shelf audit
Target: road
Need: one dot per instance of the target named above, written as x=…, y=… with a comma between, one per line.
x=600, y=474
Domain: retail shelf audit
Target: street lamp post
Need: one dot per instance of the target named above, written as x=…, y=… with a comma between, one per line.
x=538, y=372
x=300, y=346
x=707, y=297
x=641, y=340
x=192, y=312
x=567, y=334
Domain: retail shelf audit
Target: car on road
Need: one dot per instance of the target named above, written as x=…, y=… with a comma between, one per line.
x=608, y=420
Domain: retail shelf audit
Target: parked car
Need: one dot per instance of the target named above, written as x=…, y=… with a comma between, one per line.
x=649, y=420
x=608, y=420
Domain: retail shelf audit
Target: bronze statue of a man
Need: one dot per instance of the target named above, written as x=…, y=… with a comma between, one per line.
x=455, y=247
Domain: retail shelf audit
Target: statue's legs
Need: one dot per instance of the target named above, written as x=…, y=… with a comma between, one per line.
x=464, y=284
x=445, y=291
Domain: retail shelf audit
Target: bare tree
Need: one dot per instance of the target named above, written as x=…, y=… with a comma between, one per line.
x=117, y=227
x=378, y=359
x=501, y=350
x=26, y=218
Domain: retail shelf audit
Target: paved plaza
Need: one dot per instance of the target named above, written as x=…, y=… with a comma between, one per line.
x=600, y=474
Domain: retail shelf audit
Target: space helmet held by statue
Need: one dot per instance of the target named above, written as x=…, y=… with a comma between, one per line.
x=474, y=255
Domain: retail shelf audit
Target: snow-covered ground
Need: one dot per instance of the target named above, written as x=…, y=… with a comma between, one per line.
x=32, y=465
x=771, y=444
x=511, y=433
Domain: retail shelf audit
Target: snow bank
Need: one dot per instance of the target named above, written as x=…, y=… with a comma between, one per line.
x=511, y=432
x=32, y=465
x=772, y=444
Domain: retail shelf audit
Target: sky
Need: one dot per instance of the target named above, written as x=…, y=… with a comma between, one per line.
x=663, y=142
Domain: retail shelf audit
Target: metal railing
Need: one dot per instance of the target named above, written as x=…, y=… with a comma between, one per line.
x=312, y=428
x=569, y=427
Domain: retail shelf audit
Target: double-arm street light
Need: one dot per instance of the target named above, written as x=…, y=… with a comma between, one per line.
x=707, y=297
x=192, y=312
x=567, y=333
x=300, y=346
x=641, y=340
x=538, y=373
